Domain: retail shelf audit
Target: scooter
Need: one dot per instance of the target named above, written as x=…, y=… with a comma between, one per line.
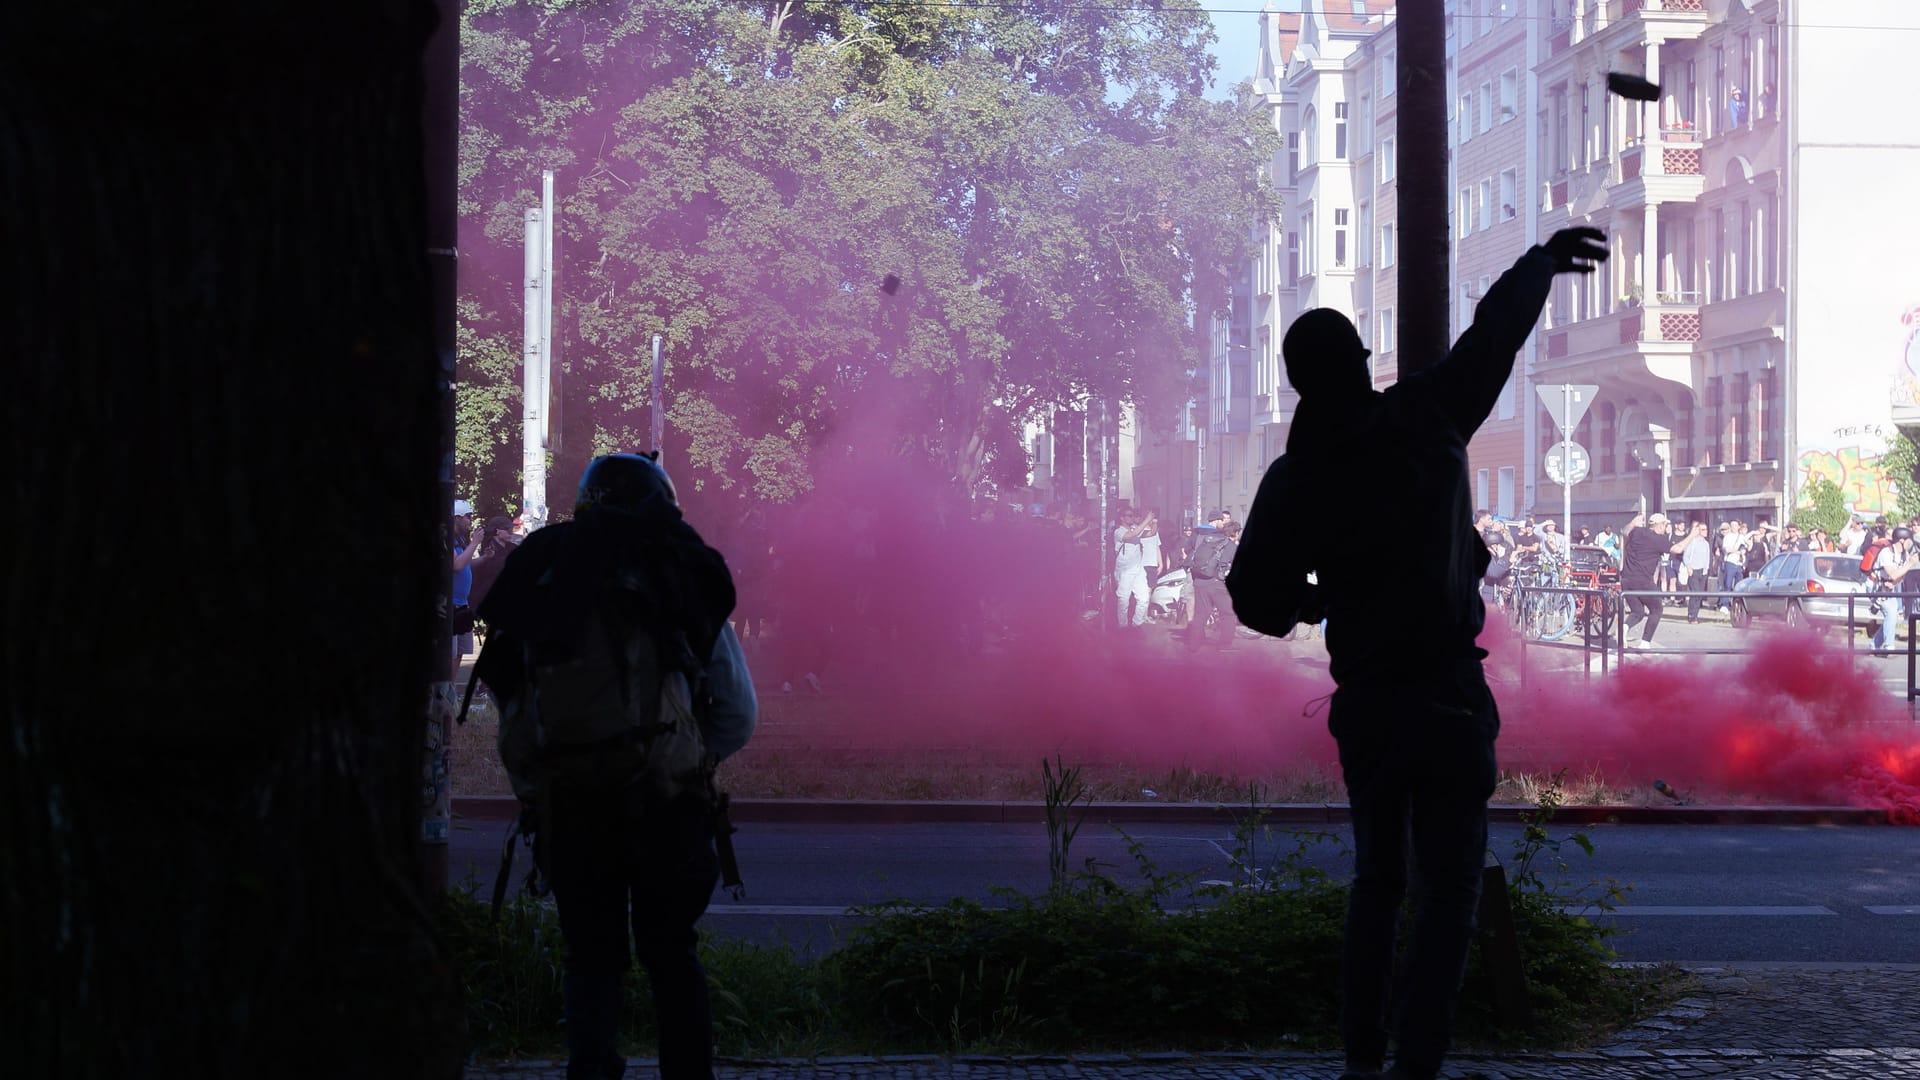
x=1167, y=602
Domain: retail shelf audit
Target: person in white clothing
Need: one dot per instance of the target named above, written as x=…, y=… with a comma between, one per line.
x=1130, y=566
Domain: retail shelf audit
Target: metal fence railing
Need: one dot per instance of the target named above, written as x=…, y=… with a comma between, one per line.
x=1594, y=620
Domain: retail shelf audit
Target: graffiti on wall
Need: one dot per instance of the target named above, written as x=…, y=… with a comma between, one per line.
x=1906, y=376
x=1860, y=478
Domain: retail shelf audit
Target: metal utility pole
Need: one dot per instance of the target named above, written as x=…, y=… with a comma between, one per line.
x=537, y=363
x=1420, y=79
x=659, y=431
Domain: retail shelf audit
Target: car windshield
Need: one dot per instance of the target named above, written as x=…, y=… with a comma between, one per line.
x=1840, y=567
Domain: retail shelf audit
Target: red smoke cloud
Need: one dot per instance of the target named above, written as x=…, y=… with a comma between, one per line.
x=930, y=629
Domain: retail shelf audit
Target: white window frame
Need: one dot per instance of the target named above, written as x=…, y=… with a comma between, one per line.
x=1389, y=159
x=1486, y=108
x=1509, y=94
x=1389, y=247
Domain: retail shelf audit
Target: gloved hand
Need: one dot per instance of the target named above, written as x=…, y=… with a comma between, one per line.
x=1575, y=250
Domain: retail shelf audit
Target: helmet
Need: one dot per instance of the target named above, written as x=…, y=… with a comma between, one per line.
x=1903, y=533
x=624, y=482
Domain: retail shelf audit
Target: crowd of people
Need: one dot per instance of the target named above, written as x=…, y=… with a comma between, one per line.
x=1688, y=560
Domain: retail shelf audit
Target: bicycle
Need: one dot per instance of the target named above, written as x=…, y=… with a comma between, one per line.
x=1546, y=616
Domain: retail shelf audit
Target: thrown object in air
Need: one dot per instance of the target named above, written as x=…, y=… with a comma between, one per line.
x=1632, y=86
x=890, y=284
x=1666, y=789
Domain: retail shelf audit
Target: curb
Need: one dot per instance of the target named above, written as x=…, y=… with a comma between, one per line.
x=909, y=812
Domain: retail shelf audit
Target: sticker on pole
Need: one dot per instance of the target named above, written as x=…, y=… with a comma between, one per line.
x=1567, y=464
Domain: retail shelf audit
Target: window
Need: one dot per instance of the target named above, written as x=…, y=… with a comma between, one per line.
x=1389, y=73
x=1718, y=275
x=1482, y=481
x=1387, y=250
x=1506, y=491
x=1509, y=194
x=1463, y=214
x=1363, y=132
x=1464, y=120
x=1340, y=131
x=1463, y=21
x=1770, y=247
x=1466, y=309
x=1486, y=203
x=1769, y=409
x=1386, y=330
x=1310, y=250
x=1603, y=461
x=1293, y=259
x=1580, y=145
x=1716, y=440
x=1770, y=65
x=1508, y=395
x=1717, y=112
x=1486, y=108
x=1387, y=164
x=1339, y=238
x=1364, y=235
x=1560, y=154
x=1509, y=95
x=1310, y=136
x=1293, y=157
x=1743, y=417
x=1485, y=24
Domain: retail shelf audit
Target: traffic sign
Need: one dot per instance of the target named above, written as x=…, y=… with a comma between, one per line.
x=1557, y=463
x=1566, y=409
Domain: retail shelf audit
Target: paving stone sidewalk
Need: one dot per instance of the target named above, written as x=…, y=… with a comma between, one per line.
x=1759, y=1022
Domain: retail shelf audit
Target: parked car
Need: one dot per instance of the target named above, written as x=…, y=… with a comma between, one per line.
x=1805, y=588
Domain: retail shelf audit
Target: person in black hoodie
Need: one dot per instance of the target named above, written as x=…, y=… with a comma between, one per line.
x=1411, y=712
x=613, y=858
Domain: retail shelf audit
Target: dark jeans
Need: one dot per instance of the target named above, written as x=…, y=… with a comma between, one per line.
x=1209, y=596
x=1696, y=585
x=1419, y=766
x=1644, y=607
x=608, y=863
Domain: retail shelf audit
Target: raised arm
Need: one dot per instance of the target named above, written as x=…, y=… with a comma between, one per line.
x=1469, y=380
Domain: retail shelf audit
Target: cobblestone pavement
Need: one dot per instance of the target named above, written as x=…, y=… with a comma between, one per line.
x=1759, y=1022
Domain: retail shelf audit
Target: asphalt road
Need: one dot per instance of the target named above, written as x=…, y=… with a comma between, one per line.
x=1700, y=894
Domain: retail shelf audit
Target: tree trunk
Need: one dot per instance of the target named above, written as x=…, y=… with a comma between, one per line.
x=1425, y=267
x=223, y=425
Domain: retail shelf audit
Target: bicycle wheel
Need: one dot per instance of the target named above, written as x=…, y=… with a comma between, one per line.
x=1556, y=615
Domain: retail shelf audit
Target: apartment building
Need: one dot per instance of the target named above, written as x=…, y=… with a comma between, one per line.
x=1757, y=327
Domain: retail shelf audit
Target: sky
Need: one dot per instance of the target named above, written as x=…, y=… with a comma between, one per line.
x=1238, y=47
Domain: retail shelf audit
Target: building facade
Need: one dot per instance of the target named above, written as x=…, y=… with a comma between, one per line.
x=1757, y=327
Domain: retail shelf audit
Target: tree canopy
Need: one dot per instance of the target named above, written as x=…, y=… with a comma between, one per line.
x=1053, y=194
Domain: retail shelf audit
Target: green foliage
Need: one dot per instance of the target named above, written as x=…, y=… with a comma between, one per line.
x=1823, y=506
x=1059, y=201
x=766, y=999
x=1901, y=463
x=1095, y=962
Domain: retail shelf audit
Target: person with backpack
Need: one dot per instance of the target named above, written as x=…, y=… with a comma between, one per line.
x=621, y=686
x=1412, y=713
x=1893, y=581
x=1212, y=558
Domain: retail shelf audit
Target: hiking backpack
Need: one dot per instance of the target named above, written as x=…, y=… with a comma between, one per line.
x=1871, y=555
x=618, y=707
x=1212, y=558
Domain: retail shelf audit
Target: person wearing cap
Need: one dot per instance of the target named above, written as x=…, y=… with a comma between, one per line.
x=1647, y=549
x=1412, y=713
x=465, y=553
x=1212, y=555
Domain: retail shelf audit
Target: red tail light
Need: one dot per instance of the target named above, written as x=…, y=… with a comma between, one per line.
x=1814, y=586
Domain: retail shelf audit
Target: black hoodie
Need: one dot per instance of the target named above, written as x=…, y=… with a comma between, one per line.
x=1395, y=610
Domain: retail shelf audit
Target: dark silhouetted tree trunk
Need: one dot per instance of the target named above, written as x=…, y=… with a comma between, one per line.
x=1424, y=264
x=222, y=431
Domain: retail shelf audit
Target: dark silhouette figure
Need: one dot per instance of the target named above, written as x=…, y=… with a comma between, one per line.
x=1412, y=714
x=617, y=853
